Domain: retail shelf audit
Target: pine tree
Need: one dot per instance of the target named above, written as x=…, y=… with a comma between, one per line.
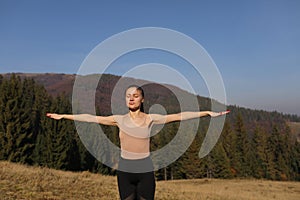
x=273, y=153
x=27, y=133
x=193, y=166
x=1, y=79
x=62, y=150
x=4, y=87
x=18, y=124
x=259, y=147
x=228, y=138
x=242, y=149
x=295, y=161
x=220, y=165
x=40, y=108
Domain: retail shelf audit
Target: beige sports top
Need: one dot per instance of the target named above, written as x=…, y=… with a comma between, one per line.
x=134, y=136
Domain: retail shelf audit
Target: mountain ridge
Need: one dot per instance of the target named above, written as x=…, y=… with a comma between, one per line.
x=156, y=93
x=57, y=83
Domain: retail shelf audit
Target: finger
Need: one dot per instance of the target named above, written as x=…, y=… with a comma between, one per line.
x=51, y=115
x=224, y=113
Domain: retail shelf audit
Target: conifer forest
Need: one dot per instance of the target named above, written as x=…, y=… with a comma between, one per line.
x=253, y=143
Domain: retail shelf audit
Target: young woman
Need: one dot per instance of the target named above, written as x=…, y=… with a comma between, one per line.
x=135, y=170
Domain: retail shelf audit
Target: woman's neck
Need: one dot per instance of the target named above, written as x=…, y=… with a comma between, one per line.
x=135, y=114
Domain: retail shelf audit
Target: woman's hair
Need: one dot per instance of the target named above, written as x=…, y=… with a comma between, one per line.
x=142, y=93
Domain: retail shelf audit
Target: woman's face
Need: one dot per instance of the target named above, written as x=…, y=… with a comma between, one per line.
x=134, y=98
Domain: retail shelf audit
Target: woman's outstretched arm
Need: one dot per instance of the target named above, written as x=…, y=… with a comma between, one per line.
x=163, y=119
x=105, y=120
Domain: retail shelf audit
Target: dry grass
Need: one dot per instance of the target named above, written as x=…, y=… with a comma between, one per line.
x=216, y=189
x=23, y=182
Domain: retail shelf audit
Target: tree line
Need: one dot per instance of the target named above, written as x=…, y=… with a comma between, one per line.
x=252, y=144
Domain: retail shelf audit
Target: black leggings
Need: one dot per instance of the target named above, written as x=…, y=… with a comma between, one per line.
x=132, y=185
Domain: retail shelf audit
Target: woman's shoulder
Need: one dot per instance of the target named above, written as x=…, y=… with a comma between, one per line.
x=118, y=117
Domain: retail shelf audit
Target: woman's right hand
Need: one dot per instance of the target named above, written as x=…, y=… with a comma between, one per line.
x=54, y=116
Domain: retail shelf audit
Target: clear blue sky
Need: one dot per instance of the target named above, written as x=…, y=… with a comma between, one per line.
x=255, y=44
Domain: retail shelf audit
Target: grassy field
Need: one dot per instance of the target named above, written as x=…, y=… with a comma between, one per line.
x=24, y=182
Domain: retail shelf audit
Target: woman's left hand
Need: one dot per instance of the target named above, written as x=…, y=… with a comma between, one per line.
x=217, y=114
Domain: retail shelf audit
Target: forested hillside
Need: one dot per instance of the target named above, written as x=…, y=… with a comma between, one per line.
x=253, y=143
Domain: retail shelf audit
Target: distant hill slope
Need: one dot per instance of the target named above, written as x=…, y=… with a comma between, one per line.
x=295, y=129
x=23, y=182
x=56, y=84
